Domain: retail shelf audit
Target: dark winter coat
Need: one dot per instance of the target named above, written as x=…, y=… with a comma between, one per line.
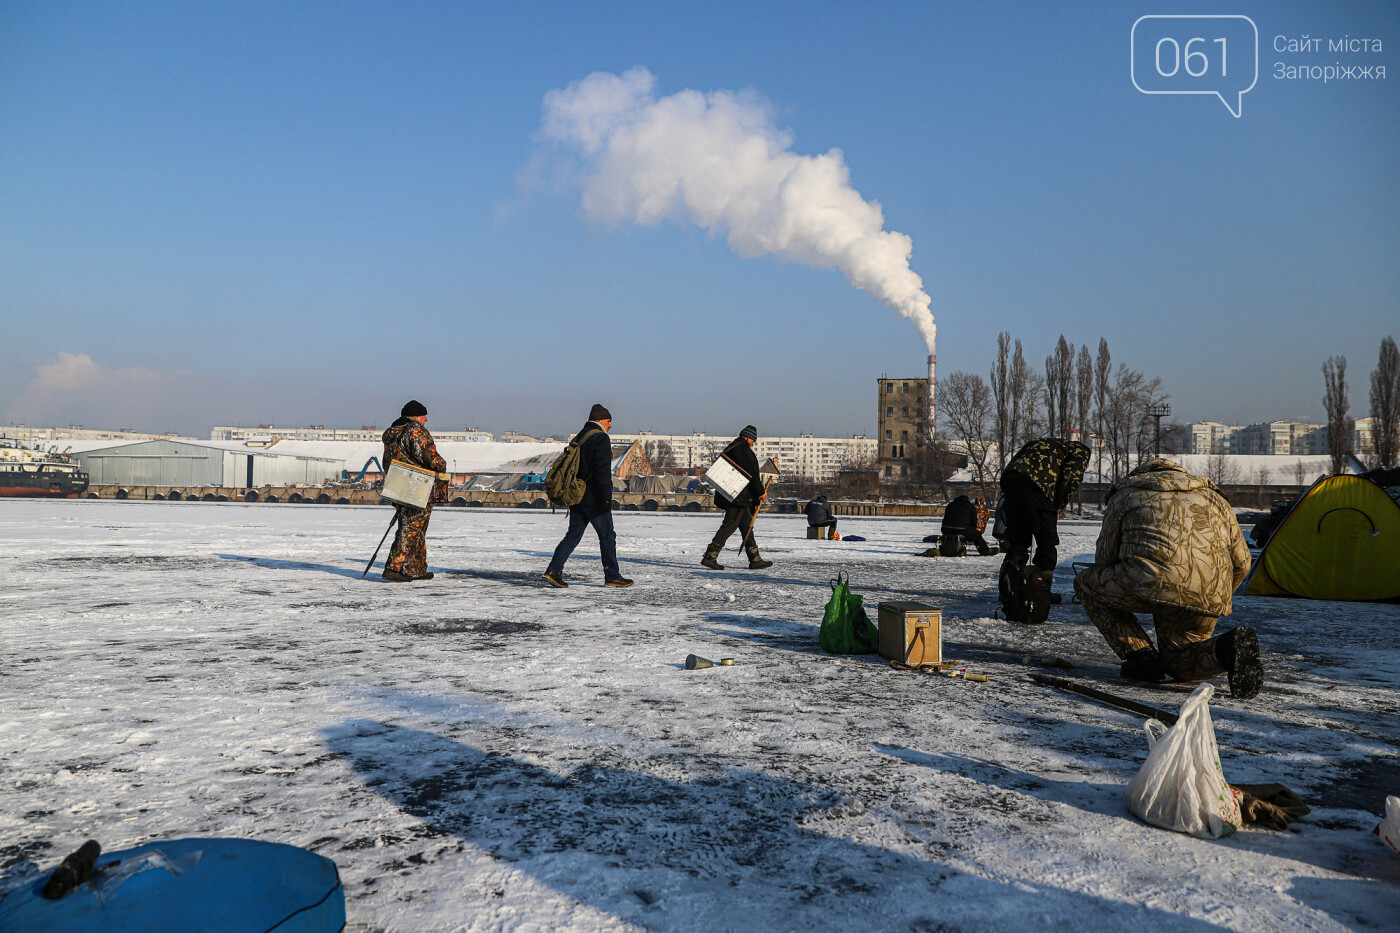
x=818, y=511
x=409, y=441
x=960, y=513
x=595, y=468
x=742, y=456
x=1055, y=466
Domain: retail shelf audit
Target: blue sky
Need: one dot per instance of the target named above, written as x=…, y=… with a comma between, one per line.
x=297, y=213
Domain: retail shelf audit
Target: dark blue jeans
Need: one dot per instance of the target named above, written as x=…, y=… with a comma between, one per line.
x=607, y=541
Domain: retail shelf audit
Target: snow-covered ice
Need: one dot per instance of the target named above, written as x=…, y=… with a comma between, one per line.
x=481, y=752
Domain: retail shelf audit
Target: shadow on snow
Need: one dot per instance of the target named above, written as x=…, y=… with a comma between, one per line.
x=664, y=854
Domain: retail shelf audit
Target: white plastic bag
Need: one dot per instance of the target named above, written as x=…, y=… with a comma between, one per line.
x=1389, y=830
x=1181, y=785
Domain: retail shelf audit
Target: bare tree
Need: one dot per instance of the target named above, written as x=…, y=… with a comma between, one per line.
x=967, y=411
x=1264, y=475
x=1024, y=387
x=1300, y=473
x=1385, y=405
x=1083, y=391
x=1103, y=369
x=1059, y=388
x=1221, y=470
x=1340, y=426
x=1000, y=388
x=661, y=454
x=1127, y=431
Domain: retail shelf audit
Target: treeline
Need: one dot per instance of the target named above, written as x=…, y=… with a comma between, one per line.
x=1385, y=410
x=1079, y=396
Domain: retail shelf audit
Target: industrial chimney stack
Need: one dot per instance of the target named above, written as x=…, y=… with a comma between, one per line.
x=931, y=409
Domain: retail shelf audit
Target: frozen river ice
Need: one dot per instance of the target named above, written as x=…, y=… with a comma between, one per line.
x=481, y=752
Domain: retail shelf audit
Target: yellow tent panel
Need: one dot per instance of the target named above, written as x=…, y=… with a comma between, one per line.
x=1342, y=541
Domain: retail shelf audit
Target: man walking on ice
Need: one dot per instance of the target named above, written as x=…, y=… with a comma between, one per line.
x=408, y=440
x=595, y=469
x=740, y=511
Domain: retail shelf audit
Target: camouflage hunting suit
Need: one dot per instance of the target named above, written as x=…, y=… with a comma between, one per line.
x=1170, y=545
x=409, y=441
x=1055, y=466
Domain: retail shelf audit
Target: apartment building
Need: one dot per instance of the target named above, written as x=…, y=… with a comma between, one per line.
x=1276, y=438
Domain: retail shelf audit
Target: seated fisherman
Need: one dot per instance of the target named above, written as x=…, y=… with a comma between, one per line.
x=962, y=517
x=1171, y=545
x=819, y=516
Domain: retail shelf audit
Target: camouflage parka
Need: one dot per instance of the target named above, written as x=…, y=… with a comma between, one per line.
x=409, y=441
x=1054, y=465
x=1169, y=539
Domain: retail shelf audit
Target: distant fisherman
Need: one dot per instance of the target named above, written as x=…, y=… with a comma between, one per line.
x=407, y=439
x=743, y=508
x=966, y=518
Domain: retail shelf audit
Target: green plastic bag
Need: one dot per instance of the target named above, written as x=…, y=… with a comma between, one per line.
x=846, y=629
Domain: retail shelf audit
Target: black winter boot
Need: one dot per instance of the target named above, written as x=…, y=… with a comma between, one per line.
x=1144, y=664
x=756, y=561
x=711, y=560
x=1238, y=652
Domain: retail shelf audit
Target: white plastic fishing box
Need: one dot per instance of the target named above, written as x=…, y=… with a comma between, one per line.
x=727, y=478
x=406, y=484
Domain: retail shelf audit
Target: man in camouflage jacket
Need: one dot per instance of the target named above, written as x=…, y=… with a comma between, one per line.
x=407, y=439
x=1036, y=486
x=1170, y=545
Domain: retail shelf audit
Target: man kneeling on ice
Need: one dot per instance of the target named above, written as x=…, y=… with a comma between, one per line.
x=1170, y=545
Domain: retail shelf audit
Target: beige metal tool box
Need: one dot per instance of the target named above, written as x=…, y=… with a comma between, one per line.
x=911, y=633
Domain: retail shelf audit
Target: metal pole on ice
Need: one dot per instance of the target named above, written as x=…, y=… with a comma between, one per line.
x=381, y=544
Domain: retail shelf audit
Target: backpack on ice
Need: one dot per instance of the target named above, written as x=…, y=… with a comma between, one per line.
x=1181, y=785
x=1024, y=593
x=562, y=484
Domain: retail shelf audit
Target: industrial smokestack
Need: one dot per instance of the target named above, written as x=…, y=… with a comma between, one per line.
x=932, y=424
x=716, y=160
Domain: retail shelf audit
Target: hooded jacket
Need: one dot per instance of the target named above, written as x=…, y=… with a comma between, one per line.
x=1169, y=539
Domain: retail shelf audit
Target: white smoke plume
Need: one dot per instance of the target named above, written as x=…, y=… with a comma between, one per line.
x=717, y=161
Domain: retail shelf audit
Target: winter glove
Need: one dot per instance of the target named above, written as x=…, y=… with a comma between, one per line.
x=1270, y=805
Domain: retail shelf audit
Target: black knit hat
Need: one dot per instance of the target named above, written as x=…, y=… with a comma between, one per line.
x=599, y=413
x=414, y=409
x=749, y=432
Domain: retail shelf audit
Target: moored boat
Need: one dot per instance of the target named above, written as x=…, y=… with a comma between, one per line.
x=35, y=473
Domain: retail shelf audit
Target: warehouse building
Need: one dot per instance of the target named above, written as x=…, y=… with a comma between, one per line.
x=201, y=464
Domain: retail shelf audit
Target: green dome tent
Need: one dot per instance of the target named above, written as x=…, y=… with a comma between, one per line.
x=1340, y=541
